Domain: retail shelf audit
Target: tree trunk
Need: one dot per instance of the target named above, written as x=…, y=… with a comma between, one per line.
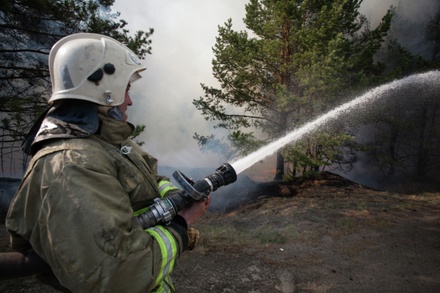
x=422, y=157
x=280, y=167
x=392, y=152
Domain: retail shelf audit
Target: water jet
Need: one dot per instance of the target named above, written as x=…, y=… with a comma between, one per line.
x=244, y=163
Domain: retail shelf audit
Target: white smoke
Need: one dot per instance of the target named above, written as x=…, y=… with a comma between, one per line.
x=414, y=11
x=185, y=32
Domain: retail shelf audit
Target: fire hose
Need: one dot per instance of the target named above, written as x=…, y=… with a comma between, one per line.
x=165, y=209
x=161, y=212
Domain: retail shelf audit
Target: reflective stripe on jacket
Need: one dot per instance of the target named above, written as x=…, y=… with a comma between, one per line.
x=168, y=249
x=166, y=186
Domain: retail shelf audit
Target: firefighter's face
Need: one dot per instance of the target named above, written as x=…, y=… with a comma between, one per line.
x=127, y=102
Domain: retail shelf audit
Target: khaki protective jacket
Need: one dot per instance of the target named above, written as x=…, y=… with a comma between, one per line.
x=75, y=206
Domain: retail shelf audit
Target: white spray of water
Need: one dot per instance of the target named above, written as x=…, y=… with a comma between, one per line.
x=242, y=164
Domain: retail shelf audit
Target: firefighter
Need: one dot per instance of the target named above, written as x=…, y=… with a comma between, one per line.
x=87, y=179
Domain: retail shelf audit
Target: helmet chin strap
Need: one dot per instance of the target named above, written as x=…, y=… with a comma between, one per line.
x=115, y=113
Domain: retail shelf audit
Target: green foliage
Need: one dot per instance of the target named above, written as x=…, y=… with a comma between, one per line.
x=296, y=60
x=245, y=141
x=29, y=29
x=269, y=237
x=137, y=131
x=313, y=154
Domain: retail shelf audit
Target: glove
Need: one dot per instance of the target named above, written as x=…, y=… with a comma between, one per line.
x=193, y=237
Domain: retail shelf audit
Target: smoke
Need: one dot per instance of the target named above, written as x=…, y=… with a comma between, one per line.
x=414, y=11
x=185, y=32
x=409, y=23
x=401, y=129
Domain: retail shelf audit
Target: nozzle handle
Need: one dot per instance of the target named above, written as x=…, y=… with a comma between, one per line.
x=187, y=186
x=223, y=175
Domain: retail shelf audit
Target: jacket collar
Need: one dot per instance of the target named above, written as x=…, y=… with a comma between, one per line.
x=114, y=131
x=75, y=120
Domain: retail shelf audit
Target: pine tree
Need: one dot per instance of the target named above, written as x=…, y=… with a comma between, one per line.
x=297, y=59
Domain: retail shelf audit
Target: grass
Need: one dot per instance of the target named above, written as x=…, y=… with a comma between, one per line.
x=271, y=237
x=283, y=221
x=234, y=234
x=346, y=224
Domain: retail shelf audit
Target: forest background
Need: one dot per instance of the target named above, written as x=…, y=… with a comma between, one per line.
x=295, y=61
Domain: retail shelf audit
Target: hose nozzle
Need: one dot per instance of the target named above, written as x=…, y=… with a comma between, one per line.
x=223, y=175
x=165, y=209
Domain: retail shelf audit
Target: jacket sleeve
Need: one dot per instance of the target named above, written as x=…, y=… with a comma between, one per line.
x=78, y=218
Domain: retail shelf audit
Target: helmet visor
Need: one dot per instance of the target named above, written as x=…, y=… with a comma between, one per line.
x=135, y=76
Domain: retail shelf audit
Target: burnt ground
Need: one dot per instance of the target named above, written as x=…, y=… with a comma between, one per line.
x=326, y=235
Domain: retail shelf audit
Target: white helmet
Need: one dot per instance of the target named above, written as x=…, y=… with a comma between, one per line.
x=93, y=68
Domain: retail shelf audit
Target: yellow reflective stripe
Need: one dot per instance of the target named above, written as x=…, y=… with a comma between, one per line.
x=163, y=252
x=141, y=211
x=160, y=289
x=171, y=245
x=169, y=283
x=165, y=287
x=165, y=186
x=168, y=249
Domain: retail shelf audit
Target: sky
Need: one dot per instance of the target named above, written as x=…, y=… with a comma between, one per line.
x=184, y=34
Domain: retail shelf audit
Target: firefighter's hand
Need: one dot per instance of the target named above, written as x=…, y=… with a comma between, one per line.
x=193, y=237
x=196, y=211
